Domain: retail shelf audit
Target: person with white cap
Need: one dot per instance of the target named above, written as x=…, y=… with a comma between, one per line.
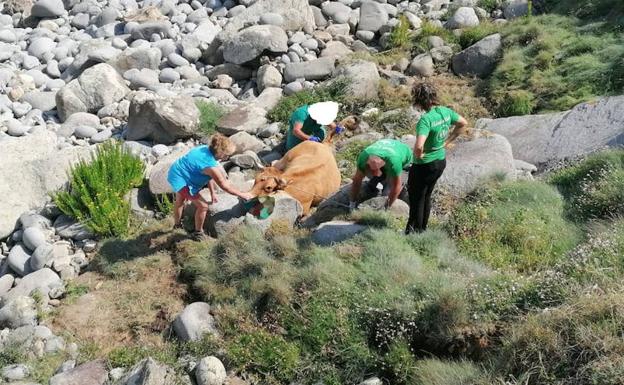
x=308, y=122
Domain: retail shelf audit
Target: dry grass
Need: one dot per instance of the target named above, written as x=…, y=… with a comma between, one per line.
x=133, y=310
x=460, y=94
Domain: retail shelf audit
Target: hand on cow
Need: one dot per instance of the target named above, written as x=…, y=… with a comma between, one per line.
x=246, y=196
x=339, y=129
x=214, y=199
x=315, y=139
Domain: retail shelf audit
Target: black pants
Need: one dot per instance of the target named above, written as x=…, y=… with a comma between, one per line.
x=422, y=180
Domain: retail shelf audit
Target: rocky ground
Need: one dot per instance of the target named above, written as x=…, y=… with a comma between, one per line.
x=76, y=73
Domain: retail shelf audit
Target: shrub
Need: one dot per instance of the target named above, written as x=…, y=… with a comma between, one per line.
x=164, y=204
x=429, y=29
x=514, y=224
x=401, y=37
x=489, y=5
x=209, y=115
x=97, y=189
x=594, y=188
x=335, y=91
x=393, y=97
x=472, y=35
x=516, y=103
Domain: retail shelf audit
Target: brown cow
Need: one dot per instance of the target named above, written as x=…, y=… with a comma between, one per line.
x=308, y=172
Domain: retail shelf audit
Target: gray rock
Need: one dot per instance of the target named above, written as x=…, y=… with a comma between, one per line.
x=33, y=237
x=245, y=142
x=84, y=132
x=16, y=128
x=335, y=49
x=146, y=30
x=143, y=78
x=97, y=86
x=161, y=119
x=297, y=15
x=268, y=98
x=168, y=75
x=311, y=70
x=15, y=372
x=399, y=208
x=42, y=257
x=32, y=219
x=251, y=42
x=464, y=17
x=89, y=373
x=148, y=372
x=479, y=59
x=372, y=381
x=247, y=118
x=524, y=166
x=336, y=231
x=139, y=58
x=268, y=76
x=235, y=71
x=337, y=12
x=44, y=101
x=6, y=283
x=515, y=8
x=441, y=55
x=365, y=36
x=43, y=280
x=160, y=150
x=272, y=19
x=66, y=366
x=269, y=131
x=194, y=321
x=363, y=79
x=78, y=119
x=102, y=136
x=586, y=128
x=422, y=65
x=17, y=312
x=40, y=46
x=471, y=162
x=48, y=8
x=415, y=21
x=292, y=88
x=372, y=16
x=247, y=160
x=210, y=371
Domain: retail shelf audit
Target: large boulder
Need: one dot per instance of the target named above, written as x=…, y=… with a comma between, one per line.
x=43, y=280
x=210, y=371
x=41, y=169
x=161, y=119
x=586, y=128
x=194, y=321
x=336, y=231
x=89, y=373
x=515, y=8
x=148, y=372
x=336, y=11
x=362, y=79
x=137, y=58
x=48, y=8
x=373, y=16
x=246, y=142
x=296, y=15
x=318, y=69
x=479, y=59
x=422, y=65
x=96, y=87
x=19, y=259
x=251, y=42
x=464, y=17
x=473, y=161
x=246, y=118
x=158, y=183
x=19, y=311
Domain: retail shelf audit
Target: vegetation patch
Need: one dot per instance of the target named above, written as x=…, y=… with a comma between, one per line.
x=209, y=115
x=472, y=35
x=97, y=189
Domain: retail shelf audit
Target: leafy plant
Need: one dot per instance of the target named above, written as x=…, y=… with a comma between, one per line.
x=517, y=103
x=209, y=115
x=401, y=37
x=489, y=5
x=164, y=204
x=97, y=189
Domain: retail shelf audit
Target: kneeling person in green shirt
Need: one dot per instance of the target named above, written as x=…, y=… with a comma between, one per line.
x=384, y=158
x=308, y=121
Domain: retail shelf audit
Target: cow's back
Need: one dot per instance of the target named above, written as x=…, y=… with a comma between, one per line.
x=312, y=167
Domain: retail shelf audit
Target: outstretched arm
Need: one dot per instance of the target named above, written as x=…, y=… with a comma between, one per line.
x=225, y=184
x=458, y=129
x=356, y=184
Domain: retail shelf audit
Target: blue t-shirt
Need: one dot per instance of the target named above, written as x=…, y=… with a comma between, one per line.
x=188, y=170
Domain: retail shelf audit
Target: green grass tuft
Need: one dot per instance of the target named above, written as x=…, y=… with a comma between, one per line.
x=401, y=36
x=97, y=189
x=470, y=36
x=209, y=115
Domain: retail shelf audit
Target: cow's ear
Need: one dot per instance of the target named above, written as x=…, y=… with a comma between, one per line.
x=281, y=183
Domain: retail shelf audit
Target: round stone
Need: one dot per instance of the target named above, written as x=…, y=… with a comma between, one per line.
x=85, y=132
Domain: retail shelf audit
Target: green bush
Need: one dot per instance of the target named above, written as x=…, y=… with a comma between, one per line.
x=97, y=189
x=489, y=5
x=594, y=188
x=514, y=224
x=428, y=29
x=335, y=91
x=554, y=64
x=516, y=103
x=401, y=37
x=209, y=115
x=472, y=35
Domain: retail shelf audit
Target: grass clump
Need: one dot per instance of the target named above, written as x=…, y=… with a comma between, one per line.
x=420, y=44
x=401, y=36
x=335, y=91
x=97, y=189
x=489, y=5
x=209, y=115
x=593, y=188
x=552, y=63
x=514, y=224
x=472, y=35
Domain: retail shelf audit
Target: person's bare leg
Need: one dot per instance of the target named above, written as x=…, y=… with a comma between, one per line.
x=178, y=208
x=201, y=209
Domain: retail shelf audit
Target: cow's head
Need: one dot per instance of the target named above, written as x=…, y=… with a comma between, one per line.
x=268, y=181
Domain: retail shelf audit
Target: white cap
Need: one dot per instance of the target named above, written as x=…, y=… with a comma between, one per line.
x=323, y=113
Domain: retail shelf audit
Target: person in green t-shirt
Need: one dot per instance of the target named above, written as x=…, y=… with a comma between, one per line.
x=437, y=127
x=307, y=123
x=384, y=161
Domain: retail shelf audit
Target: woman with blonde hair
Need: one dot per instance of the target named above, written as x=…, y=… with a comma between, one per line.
x=191, y=172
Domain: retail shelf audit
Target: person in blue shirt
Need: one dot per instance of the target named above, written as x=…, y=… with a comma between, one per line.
x=193, y=171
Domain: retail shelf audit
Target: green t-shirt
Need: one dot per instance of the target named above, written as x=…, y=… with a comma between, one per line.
x=310, y=127
x=435, y=126
x=395, y=153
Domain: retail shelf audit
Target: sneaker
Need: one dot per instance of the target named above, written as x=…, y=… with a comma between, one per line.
x=199, y=236
x=178, y=226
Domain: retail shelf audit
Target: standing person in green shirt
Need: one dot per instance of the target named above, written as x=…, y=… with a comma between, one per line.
x=433, y=134
x=382, y=160
x=308, y=121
